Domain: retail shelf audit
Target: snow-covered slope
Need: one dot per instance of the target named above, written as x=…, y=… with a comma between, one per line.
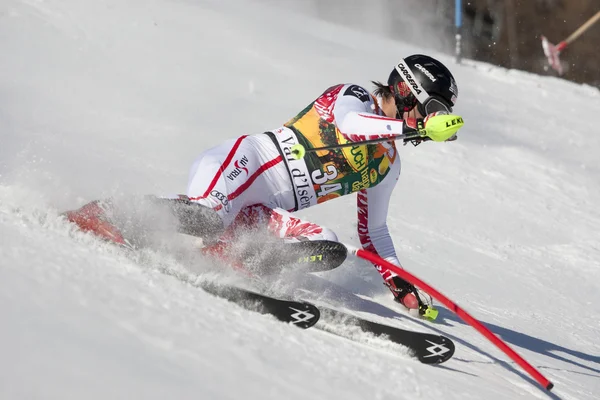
x=113, y=98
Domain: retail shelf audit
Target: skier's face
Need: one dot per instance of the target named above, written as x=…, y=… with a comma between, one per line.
x=388, y=106
x=414, y=113
x=390, y=110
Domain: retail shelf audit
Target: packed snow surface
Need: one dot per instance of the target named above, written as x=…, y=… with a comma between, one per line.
x=117, y=97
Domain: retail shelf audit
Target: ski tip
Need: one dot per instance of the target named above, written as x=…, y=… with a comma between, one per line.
x=550, y=386
x=303, y=315
x=438, y=349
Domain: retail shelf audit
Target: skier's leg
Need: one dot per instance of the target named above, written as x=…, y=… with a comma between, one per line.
x=234, y=247
x=192, y=218
x=230, y=246
x=238, y=174
x=133, y=221
x=223, y=181
x=403, y=292
x=285, y=225
x=120, y=221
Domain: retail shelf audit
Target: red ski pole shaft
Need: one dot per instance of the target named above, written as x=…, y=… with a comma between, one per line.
x=465, y=316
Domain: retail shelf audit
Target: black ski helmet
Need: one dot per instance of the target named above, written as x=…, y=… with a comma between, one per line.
x=422, y=81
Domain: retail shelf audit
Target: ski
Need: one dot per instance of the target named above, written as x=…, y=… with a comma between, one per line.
x=298, y=313
x=308, y=256
x=426, y=347
x=318, y=255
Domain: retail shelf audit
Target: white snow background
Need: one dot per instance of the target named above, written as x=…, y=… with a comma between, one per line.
x=117, y=97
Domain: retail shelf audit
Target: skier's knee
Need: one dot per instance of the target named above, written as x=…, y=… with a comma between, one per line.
x=193, y=218
x=328, y=234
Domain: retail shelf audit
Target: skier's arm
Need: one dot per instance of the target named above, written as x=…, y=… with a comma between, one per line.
x=357, y=118
x=358, y=126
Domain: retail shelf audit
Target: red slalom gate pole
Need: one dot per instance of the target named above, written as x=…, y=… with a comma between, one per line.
x=465, y=316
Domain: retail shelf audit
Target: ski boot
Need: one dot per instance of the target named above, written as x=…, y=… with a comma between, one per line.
x=93, y=217
x=407, y=295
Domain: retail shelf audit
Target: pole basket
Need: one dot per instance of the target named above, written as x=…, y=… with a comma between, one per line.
x=552, y=52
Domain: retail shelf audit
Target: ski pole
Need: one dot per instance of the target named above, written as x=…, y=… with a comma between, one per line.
x=552, y=51
x=460, y=312
x=578, y=32
x=299, y=151
x=440, y=128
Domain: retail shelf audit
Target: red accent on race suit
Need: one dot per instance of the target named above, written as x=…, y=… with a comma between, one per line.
x=282, y=226
x=292, y=227
x=255, y=175
x=249, y=181
x=362, y=204
x=257, y=216
x=325, y=103
x=223, y=167
x=373, y=116
x=238, y=166
x=363, y=221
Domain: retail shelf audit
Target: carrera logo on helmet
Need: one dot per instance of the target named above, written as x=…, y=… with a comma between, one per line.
x=426, y=72
x=408, y=75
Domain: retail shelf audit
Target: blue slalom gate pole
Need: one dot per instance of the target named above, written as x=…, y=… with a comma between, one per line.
x=458, y=29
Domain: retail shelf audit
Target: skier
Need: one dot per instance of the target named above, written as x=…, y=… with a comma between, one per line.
x=255, y=181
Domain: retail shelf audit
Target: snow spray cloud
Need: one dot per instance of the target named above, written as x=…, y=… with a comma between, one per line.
x=426, y=25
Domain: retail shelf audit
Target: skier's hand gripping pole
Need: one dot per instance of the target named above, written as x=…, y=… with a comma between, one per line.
x=438, y=128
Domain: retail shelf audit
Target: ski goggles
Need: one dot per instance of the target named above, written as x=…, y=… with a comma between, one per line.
x=406, y=101
x=433, y=104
